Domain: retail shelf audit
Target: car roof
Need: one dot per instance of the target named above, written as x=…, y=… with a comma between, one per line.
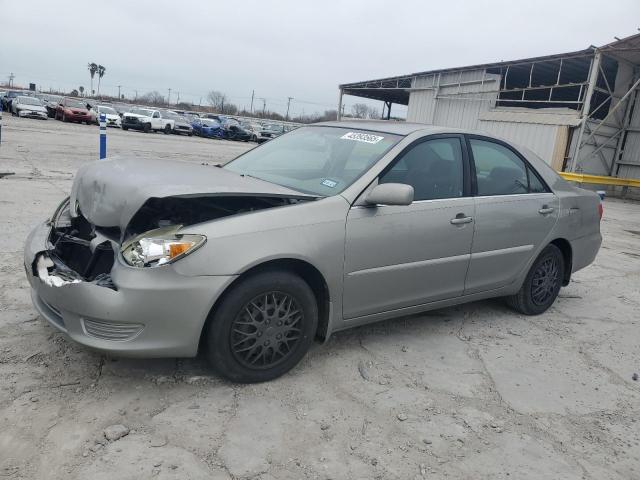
x=386, y=126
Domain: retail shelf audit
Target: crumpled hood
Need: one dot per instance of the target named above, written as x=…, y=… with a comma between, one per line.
x=110, y=192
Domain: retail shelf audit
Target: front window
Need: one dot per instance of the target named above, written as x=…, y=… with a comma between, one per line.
x=317, y=160
x=433, y=168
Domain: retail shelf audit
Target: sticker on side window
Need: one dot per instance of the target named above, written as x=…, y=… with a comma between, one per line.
x=329, y=183
x=362, y=137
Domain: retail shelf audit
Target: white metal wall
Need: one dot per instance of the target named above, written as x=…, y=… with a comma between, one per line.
x=630, y=161
x=539, y=138
x=449, y=100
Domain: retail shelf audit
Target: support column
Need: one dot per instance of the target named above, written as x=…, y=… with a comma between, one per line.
x=339, y=115
x=586, y=107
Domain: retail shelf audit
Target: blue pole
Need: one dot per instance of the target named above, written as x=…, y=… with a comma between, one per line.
x=103, y=136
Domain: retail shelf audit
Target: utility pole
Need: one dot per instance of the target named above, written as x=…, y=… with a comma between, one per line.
x=253, y=92
x=288, y=104
x=11, y=77
x=264, y=106
x=178, y=100
x=119, y=86
x=169, y=98
x=136, y=95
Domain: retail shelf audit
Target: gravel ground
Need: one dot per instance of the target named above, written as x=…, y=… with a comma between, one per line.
x=475, y=391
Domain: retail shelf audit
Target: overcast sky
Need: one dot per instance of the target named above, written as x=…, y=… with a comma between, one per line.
x=299, y=49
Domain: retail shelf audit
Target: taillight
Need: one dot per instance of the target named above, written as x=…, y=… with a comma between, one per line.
x=600, y=210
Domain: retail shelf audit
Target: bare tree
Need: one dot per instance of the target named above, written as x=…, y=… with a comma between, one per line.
x=360, y=110
x=217, y=100
x=93, y=68
x=374, y=113
x=152, y=98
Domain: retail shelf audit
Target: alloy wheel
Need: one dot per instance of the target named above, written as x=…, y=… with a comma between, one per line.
x=266, y=330
x=545, y=281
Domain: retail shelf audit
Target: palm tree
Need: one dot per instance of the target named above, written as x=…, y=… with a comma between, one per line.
x=93, y=68
x=81, y=90
x=101, y=71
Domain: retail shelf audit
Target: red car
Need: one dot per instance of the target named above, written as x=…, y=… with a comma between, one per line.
x=73, y=110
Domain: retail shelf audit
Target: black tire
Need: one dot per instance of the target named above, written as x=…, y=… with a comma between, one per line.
x=167, y=129
x=125, y=128
x=190, y=134
x=542, y=284
x=64, y=117
x=146, y=128
x=245, y=351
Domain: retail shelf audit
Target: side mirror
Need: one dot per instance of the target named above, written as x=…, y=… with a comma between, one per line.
x=390, y=194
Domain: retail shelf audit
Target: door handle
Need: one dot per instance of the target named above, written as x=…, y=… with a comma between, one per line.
x=461, y=219
x=545, y=210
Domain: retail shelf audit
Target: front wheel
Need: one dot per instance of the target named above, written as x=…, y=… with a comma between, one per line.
x=125, y=128
x=167, y=129
x=146, y=128
x=542, y=285
x=262, y=328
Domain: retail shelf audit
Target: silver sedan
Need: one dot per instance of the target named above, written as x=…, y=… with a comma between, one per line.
x=327, y=227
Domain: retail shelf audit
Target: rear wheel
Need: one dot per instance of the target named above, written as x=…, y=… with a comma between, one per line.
x=542, y=285
x=167, y=129
x=262, y=328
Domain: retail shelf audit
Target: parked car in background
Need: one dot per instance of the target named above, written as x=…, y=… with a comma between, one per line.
x=329, y=227
x=50, y=102
x=207, y=127
x=233, y=130
x=73, y=110
x=253, y=128
x=122, y=108
x=29, y=107
x=147, y=120
x=8, y=98
x=269, y=131
x=112, y=117
x=180, y=124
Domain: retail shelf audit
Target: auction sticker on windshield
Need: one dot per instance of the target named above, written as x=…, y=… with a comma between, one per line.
x=362, y=137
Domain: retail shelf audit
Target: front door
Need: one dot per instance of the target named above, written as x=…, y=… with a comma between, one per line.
x=401, y=256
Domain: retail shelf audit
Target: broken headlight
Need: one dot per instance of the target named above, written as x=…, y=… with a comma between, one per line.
x=160, y=246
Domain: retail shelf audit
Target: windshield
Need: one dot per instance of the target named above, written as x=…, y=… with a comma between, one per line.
x=30, y=101
x=207, y=122
x=274, y=128
x=171, y=115
x=108, y=110
x=142, y=111
x=318, y=160
x=70, y=102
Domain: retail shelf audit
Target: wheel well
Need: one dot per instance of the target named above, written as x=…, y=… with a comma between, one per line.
x=306, y=271
x=567, y=254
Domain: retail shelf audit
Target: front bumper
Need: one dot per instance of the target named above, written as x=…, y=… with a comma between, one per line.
x=152, y=312
x=32, y=114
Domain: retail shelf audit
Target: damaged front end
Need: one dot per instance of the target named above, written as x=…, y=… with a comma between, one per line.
x=77, y=251
x=80, y=251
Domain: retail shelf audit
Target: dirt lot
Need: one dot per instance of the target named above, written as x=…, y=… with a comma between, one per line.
x=468, y=392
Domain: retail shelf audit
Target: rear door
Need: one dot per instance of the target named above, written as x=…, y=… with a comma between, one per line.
x=401, y=256
x=514, y=214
